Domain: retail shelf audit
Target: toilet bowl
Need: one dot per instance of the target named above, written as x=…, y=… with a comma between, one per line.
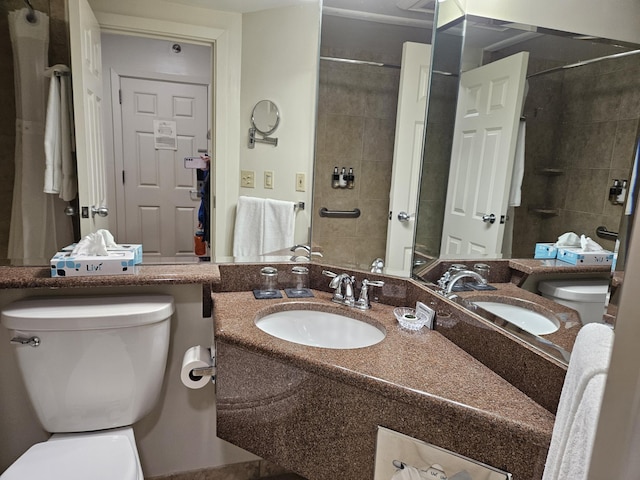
x=587, y=297
x=92, y=366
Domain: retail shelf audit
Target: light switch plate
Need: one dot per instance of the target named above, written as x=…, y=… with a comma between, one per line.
x=248, y=179
x=301, y=182
x=268, y=179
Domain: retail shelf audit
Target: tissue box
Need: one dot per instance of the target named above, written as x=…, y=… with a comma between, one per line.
x=118, y=262
x=545, y=250
x=575, y=256
x=135, y=248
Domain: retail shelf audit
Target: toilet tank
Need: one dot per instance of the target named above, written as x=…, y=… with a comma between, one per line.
x=100, y=361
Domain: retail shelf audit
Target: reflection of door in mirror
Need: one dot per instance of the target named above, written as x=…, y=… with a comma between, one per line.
x=156, y=197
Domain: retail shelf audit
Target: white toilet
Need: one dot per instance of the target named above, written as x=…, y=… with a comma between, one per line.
x=92, y=366
x=587, y=297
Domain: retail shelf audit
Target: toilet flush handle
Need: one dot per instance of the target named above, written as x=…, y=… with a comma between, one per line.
x=32, y=341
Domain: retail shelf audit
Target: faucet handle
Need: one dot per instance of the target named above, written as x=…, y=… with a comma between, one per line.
x=373, y=283
x=363, y=302
x=329, y=273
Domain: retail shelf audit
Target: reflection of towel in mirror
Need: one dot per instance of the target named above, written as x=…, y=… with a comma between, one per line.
x=408, y=473
x=248, y=232
x=59, y=176
x=279, y=225
x=579, y=407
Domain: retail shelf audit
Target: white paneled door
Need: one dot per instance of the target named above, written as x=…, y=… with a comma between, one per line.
x=407, y=157
x=84, y=39
x=484, y=143
x=160, y=194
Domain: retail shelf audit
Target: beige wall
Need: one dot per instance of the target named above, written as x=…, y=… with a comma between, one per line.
x=279, y=63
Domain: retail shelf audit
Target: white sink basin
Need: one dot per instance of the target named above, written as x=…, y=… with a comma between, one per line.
x=320, y=329
x=528, y=320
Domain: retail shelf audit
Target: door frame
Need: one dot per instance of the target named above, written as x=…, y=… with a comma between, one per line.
x=224, y=107
x=118, y=151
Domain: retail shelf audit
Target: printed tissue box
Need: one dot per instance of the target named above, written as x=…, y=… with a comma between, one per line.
x=545, y=250
x=134, y=247
x=575, y=256
x=117, y=262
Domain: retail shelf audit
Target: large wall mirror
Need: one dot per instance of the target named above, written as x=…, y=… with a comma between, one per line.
x=581, y=133
x=221, y=58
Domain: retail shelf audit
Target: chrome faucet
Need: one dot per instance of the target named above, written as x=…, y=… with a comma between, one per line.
x=447, y=289
x=343, y=292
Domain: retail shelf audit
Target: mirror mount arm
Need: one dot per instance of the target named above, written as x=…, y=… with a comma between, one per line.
x=253, y=139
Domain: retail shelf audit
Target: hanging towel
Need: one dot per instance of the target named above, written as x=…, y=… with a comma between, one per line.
x=408, y=473
x=279, y=225
x=249, y=227
x=59, y=176
x=577, y=417
x=515, y=195
x=52, y=143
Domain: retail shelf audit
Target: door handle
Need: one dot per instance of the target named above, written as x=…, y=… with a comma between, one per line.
x=491, y=218
x=101, y=211
x=404, y=216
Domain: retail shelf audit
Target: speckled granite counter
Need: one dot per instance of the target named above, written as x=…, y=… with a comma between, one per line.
x=40, y=277
x=315, y=411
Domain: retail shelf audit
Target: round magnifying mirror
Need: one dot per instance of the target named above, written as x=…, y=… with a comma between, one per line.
x=265, y=117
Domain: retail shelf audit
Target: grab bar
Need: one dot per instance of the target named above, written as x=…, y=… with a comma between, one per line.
x=325, y=212
x=602, y=232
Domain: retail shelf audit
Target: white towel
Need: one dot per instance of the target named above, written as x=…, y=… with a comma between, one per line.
x=515, y=195
x=249, y=227
x=408, y=473
x=59, y=176
x=579, y=406
x=279, y=225
x=52, y=146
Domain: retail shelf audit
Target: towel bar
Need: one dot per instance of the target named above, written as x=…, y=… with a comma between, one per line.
x=298, y=206
x=325, y=212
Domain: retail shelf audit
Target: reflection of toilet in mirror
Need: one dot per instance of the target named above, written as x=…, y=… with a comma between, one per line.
x=587, y=297
x=92, y=367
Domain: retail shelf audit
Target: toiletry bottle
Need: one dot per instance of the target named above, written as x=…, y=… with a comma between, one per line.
x=335, y=179
x=350, y=178
x=343, y=178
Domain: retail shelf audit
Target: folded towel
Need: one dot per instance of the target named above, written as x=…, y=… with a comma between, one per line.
x=515, y=195
x=408, y=473
x=249, y=227
x=279, y=225
x=574, y=431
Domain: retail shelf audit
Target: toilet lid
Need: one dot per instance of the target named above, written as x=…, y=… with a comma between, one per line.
x=104, y=457
x=580, y=291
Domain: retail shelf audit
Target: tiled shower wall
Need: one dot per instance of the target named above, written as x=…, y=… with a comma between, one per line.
x=582, y=126
x=356, y=128
x=58, y=53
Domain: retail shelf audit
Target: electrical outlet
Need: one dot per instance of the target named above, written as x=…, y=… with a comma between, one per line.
x=301, y=182
x=248, y=179
x=268, y=179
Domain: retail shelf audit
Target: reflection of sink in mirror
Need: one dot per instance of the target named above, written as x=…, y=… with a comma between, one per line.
x=528, y=320
x=320, y=329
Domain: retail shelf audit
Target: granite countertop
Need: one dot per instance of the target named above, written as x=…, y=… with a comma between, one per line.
x=420, y=368
x=40, y=277
x=532, y=266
